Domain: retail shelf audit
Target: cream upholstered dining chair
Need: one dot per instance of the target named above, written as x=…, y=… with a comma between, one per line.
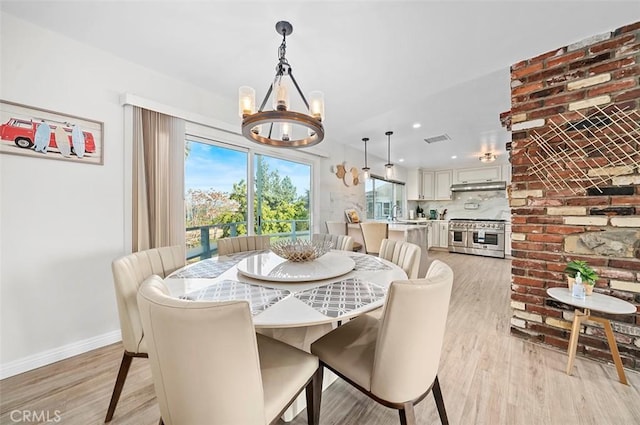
x=336, y=227
x=395, y=359
x=404, y=254
x=341, y=242
x=128, y=273
x=210, y=367
x=234, y=244
x=340, y=228
x=373, y=233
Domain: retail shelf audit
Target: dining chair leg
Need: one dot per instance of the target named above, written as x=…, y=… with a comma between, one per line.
x=117, y=388
x=314, y=397
x=437, y=394
x=407, y=414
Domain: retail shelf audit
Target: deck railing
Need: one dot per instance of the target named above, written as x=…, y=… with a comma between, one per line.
x=209, y=235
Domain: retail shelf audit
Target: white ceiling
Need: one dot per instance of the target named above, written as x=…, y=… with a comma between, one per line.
x=382, y=65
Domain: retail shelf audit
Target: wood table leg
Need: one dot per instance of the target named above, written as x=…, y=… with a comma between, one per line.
x=613, y=346
x=578, y=318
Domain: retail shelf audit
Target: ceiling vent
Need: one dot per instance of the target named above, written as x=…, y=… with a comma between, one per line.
x=436, y=139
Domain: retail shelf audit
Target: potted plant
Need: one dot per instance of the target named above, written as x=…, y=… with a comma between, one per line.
x=588, y=275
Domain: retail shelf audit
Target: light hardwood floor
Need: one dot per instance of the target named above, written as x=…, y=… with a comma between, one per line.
x=487, y=376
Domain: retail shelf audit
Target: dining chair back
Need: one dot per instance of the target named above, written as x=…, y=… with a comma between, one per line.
x=436, y=268
x=336, y=227
x=341, y=242
x=209, y=366
x=404, y=254
x=235, y=244
x=340, y=228
x=373, y=233
x=395, y=359
x=129, y=272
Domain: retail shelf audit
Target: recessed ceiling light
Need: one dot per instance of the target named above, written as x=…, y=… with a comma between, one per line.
x=401, y=160
x=454, y=156
x=417, y=125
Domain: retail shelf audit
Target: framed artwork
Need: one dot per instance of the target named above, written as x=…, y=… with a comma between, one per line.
x=40, y=133
x=352, y=216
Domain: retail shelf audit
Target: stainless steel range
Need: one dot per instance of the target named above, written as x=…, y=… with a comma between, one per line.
x=477, y=236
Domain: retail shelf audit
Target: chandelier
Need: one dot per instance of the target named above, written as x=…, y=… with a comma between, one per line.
x=389, y=165
x=487, y=157
x=281, y=126
x=365, y=169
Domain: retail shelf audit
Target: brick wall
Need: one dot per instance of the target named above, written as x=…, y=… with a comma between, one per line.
x=586, y=205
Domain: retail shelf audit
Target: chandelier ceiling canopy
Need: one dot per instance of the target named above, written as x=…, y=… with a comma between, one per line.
x=281, y=126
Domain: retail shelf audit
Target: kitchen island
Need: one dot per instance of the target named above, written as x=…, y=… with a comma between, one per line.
x=414, y=233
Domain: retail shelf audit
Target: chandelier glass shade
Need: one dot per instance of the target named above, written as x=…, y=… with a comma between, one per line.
x=365, y=169
x=281, y=126
x=388, y=165
x=488, y=157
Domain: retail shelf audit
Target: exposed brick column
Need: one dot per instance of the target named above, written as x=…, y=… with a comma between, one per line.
x=600, y=224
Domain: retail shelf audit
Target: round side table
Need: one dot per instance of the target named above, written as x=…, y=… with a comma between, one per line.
x=597, y=302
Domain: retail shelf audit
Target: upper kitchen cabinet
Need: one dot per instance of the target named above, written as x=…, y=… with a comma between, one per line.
x=487, y=173
x=506, y=173
x=442, y=185
x=414, y=185
x=420, y=185
x=427, y=185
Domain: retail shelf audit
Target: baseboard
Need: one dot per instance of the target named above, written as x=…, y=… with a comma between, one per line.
x=56, y=354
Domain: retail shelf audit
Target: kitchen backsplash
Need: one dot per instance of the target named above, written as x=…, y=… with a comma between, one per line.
x=482, y=204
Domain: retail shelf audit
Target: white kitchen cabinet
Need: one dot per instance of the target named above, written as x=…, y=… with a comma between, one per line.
x=435, y=234
x=442, y=185
x=487, y=173
x=428, y=179
x=506, y=173
x=420, y=185
x=507, y=239
x=430, y=234
x=438, y=234
x=414, y=185
x=444, y=233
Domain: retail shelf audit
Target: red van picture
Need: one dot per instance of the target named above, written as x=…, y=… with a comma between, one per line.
x=22, y=133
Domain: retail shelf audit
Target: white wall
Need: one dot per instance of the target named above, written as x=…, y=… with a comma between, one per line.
x=61, y=223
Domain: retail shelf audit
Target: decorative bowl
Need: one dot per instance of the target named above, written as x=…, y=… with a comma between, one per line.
x=300, y=250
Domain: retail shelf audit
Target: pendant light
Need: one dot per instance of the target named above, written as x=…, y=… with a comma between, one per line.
x=388, y=165
x=365, y=169
x=282, y=127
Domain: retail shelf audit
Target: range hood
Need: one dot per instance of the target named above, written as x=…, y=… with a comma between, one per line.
x=472, y=187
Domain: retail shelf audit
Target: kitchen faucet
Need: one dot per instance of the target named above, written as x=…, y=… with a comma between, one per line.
x=394, y=212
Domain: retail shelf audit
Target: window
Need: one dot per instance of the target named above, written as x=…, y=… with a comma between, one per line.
x=233, y=191
x=382, y=197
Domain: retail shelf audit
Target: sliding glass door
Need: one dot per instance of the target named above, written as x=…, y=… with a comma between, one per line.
x=232, y=191
x=215, y=195
x=282, y=197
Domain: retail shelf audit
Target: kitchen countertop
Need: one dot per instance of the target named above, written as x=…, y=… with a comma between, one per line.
x=405, y=226
x=402, y=225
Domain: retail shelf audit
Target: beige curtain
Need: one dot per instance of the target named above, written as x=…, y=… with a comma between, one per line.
x=158, y=180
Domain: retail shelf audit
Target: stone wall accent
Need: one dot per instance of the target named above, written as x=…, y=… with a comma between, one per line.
x=600, y=225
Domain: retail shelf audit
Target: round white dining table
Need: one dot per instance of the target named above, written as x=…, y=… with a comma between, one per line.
x=282, y=294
